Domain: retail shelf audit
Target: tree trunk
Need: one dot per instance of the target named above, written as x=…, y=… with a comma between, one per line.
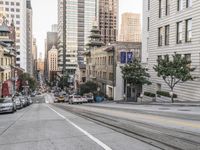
x=135, y=94
x=172, y=96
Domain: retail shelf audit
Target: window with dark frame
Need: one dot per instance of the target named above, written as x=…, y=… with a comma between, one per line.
x=188, y=3
x=179, y=32
x=188, y=30
x=167, y=35
x=160, y=36
x=179, y=5
x=148, y=23
x=167, y=8
x=160, y=8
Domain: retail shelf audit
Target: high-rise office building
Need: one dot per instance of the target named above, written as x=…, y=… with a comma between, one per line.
x=108, y=20
x=130, y=28
x=172, y=27
x=29, y=38
x=51, y=41
x=34, y=52
x=52, y=63
x=75, y=20
x=16, y=10
x=54, y=28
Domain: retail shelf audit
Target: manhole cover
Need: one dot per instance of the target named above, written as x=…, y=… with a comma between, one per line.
x=164, y=109
x=183, y=110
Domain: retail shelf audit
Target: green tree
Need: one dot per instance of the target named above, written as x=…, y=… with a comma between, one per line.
x=26, y=79
x=63, y=81
x=135, y=75
x=88, y=87
x=174, y=71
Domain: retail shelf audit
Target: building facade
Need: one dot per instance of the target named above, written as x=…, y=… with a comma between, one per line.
x=103, y=66
x=34, y=52
x=80, y=76
x=8, y=70
x=108, y=16
x=16, y=10
x=130, y=28
x=29, y=39
x=52, y=63
x=75, y=20
x=40, y=65
x=172, y=26
x=51, y=41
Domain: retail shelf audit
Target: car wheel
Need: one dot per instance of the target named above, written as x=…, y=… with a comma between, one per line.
x=13, y=110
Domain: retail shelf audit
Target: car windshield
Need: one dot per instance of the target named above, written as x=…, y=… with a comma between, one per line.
x=5, y=100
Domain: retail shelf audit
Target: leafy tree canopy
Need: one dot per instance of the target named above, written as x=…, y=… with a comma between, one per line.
x=88, y=87
x=175, y=70
x=134, y=73
x=26, y=79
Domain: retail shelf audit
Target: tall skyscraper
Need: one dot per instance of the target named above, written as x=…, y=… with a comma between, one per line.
x=29, y=38
x=130, y=28
x=51, y=41
x=16, y=10
x=108, y=20
x=75, y=20
x=52, y=63
x=34, y=52
x=54, y=28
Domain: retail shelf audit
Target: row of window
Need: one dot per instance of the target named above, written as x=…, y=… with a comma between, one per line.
x=101, y=75
x=12, y=9
x=104, y=60
x=164, y=6
x=187, y=56
x=10, y=3
x=12, y=16
x=164, y=31
x=5, y=61
x=5, y=76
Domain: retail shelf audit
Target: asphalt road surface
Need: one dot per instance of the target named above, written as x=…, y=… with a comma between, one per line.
x=48, y=126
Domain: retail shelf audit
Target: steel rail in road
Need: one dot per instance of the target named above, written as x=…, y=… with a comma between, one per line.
x=160, y=137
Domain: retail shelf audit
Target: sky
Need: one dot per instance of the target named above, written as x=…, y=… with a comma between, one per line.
x=45, y=14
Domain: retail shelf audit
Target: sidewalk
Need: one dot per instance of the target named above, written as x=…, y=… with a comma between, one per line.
x=184, y=104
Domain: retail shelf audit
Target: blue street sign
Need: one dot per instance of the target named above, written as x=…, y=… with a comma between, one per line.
x=129, y=57
x=123, y=57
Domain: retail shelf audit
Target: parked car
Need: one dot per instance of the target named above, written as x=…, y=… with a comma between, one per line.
x=7, y=105
x=90, y=97
x=18, y=103
x=75, y=99
x=29, y=100
x=33, y=94
x=24, y=101
x=84, y=99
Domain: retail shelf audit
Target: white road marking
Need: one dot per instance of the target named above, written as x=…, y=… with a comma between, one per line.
x=104, y=146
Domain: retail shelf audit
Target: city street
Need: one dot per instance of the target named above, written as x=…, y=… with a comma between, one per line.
x=47, y=126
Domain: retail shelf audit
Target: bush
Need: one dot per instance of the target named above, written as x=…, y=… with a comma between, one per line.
x=166, y=94
x=88, y=87
x=149, y=94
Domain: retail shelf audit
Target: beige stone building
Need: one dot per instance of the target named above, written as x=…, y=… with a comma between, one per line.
x=7, y=58
x=40, y=65
x=52, y=62
x=103, y=67
x=130, y=28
